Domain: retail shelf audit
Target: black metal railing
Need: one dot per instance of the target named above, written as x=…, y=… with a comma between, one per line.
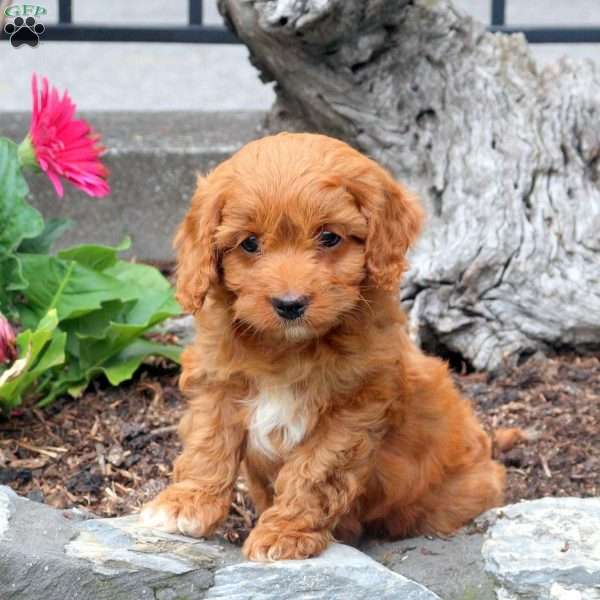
x=543, y=35
x=195, y=31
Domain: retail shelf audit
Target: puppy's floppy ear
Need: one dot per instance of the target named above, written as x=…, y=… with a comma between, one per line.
x=394, y=220
x=195, y=245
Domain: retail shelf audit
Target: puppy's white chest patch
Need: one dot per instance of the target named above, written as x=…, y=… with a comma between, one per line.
x=276, y=409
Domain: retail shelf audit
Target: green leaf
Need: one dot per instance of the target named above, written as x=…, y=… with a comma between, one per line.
x=139, y=276
x=118, y=369
x=97, y=337
x=11, y=280
x=41, y=350
x=122, y=366
x=19, y=220
x=42, y=244
x=104, y=308
x=71, y=288
x=95, y=256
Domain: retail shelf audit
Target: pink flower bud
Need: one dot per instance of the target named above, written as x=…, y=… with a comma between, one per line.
x=8, y=346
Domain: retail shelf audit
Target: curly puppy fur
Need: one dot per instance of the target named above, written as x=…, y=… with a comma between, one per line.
x=340, y=424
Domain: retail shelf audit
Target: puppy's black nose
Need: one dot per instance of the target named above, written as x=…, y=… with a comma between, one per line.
x=290, y=307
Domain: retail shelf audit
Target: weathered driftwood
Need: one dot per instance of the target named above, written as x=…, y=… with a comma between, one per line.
x=506, y=158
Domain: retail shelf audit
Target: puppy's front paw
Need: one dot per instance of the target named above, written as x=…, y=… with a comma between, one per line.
x=185, y=508
x=266, y=544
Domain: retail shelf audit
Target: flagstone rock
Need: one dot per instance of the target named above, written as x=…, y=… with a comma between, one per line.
x=547, y=549
x=57, y=555
x=6, y=509
x=340, y=573
x=51, y=554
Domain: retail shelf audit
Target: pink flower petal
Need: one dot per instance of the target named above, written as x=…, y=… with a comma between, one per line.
x=55, y=180
x=65, y=146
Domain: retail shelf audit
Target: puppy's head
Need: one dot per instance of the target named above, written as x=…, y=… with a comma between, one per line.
x=294, y=228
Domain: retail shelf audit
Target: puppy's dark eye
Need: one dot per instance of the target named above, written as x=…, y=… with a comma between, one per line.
x=329, y=239
x=250, y=244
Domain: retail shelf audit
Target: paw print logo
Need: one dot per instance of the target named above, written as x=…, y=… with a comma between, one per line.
x=24, y=31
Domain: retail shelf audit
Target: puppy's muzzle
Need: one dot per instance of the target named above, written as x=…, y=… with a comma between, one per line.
x=290, y=307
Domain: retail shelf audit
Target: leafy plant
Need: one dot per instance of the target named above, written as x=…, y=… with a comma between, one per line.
x=83, y=311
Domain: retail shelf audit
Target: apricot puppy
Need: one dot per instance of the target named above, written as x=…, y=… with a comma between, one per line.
x=302, y=372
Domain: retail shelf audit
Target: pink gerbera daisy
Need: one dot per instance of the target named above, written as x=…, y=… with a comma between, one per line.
x=62, y=146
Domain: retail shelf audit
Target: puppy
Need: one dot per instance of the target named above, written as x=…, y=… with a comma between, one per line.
x=302, y=373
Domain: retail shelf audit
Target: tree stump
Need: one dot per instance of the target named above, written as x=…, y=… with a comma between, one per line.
x=506, y=158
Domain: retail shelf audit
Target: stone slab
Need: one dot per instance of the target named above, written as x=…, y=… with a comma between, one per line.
x=60, y=555
x=6, y=510
x=547, y=549
x=340, y=573
x=57, y=555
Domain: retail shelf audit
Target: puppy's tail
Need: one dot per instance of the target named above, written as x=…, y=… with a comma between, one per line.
x=506, y=438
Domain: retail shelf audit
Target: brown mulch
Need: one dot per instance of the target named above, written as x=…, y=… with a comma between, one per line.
x=556, y=405
x=112, y=450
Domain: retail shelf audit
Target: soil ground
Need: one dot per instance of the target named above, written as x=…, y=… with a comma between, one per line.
x=112, y=450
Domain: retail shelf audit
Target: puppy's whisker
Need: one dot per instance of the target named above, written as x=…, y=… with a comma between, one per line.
x=244, y=328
